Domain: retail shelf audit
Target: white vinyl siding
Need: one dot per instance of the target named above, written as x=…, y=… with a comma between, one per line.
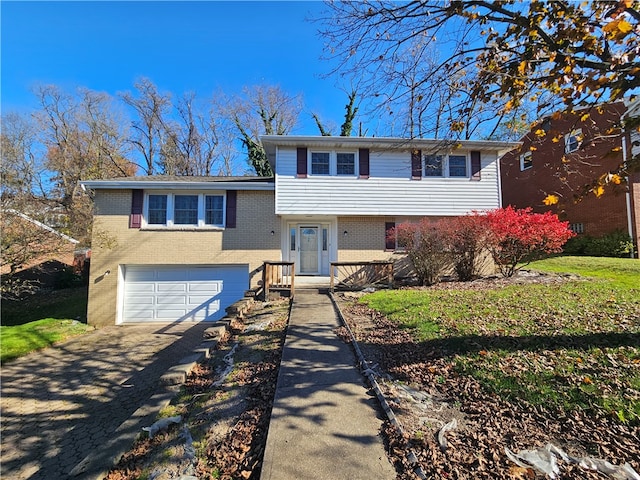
x=389, y=189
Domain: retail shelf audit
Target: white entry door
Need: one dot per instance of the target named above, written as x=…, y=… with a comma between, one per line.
x=309, y=251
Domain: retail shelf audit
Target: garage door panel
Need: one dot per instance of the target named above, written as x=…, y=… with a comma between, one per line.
x=197, y=300
x=141, y=274
x=181, y=293
x=172, y=275
x=142, y=313
x=210, y=287
x=135, y=288
x=169, y=287
x=143, y=300
x=171, y=300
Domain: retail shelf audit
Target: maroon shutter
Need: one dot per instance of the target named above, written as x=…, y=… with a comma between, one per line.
x=416, y=164
x=232, y=199
x=389, y=240
x=476, y=165
x=363, y=160
x=135, y=218
x=302, y=163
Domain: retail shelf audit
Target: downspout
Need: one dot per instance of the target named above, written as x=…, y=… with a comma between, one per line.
x=498, y=161
x=628, y=193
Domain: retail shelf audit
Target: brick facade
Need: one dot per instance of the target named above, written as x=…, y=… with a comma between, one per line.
x=569, y=175
x=115, y=244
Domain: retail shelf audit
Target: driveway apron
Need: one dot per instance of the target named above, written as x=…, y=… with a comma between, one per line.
x=63, y=403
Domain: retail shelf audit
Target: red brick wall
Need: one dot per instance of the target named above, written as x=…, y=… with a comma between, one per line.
x=568, y=175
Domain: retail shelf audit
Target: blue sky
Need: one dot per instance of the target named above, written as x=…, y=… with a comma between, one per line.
x=181, y=46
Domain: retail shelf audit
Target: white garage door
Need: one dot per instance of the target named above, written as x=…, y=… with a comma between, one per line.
x=181, y=293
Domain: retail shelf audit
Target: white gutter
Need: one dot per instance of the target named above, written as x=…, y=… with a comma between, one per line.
x=498, y=161
x=42, y=225
x=171, y=185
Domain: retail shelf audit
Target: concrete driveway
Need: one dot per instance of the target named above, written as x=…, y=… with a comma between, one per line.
x=63, y=403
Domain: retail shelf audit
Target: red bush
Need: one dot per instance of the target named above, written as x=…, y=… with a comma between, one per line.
x=520, y=236
x=424, y=243
x=465, y=239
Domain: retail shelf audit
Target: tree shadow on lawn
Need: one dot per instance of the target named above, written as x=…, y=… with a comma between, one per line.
x=409, y=352
x=469, y=344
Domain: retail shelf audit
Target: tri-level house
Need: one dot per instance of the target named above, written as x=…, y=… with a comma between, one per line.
x=171, y=249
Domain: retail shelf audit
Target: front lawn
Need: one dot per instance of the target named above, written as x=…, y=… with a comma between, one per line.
x=570, y=344
x=40, y=320
x=19, y=340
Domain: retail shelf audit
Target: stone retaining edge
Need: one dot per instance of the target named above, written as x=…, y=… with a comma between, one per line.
x=411, y=456
x=96, y=465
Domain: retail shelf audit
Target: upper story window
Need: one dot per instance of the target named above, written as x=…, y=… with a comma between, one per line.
x=572, y=141
x=173, y=210
x=433, y=165
x=320, y=163
x=457, y=166
x=333, y=163
x=345, y=163
x=526, y=161
x=446, y=166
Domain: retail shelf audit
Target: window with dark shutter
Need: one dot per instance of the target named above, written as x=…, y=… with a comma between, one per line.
x=301, y=162
x=363, y=160
x=135, y=218
x=232, y=198
x=476, y=165
x=416, y=165
x=389, y=238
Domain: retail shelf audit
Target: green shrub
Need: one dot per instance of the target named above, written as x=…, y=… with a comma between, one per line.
x=616, y=244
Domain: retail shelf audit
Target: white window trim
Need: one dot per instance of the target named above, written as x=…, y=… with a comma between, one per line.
x=333, y=163
x=169, y=225
x=445, y=166
x=577, y=227
x=523, y=157
x=577, y=134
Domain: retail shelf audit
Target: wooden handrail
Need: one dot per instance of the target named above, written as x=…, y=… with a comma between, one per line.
x=278, y=275
x=356, y=274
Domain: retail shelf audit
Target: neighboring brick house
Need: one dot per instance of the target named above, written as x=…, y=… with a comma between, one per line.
x=563, y=156
x=184, y=248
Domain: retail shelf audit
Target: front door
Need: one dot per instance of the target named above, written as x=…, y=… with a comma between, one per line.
x=309, y=252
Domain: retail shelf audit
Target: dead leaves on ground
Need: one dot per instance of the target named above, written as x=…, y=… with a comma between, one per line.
x=493, y=422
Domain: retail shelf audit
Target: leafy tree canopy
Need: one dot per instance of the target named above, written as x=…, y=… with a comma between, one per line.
x=504, y=54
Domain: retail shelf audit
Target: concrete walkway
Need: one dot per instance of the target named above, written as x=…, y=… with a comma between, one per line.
x=324, y=423
x=65, y=404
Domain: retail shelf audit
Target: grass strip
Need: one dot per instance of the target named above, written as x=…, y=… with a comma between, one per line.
x=571, y=345
x=19, y=340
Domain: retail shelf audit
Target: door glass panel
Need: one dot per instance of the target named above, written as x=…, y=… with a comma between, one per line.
x=308, y=249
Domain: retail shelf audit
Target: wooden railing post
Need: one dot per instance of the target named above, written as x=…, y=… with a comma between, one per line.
x=274, y=277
